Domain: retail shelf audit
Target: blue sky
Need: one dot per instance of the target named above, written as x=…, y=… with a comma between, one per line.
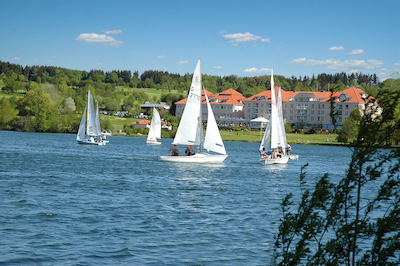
x=243, y=38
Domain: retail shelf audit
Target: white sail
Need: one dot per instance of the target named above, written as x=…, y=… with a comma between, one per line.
x=91, y=128
x=281, y=131
x=265, y=142
x=81, y=130
x=155, y=126
x=274, y=131
x=274, y=115
x=98, y=119
x=190, y=126
x=213, y=140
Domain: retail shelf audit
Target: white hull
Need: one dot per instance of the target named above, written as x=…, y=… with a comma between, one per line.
x=282, y=160
x=88, y=142
x=153, y=142
x=197, y=158
x=293, y=157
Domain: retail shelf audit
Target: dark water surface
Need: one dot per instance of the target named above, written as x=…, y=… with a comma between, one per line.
x=66, y=204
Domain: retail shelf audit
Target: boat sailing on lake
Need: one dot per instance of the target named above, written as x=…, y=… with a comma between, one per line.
x=190, y=129
x=274, y=148
x=155, y=129
x=89, y=129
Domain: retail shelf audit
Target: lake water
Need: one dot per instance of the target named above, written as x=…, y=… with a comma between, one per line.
x=68, y=204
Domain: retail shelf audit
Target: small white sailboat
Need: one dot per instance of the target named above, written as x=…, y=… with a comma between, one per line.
x=155, y=129
x=102, y=136
x=273, y=144
x=190, y=129
x=89, y=129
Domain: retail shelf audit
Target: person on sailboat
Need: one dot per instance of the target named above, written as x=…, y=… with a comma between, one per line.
x=288, y=149
x=175, y=150
x=189, y=150
x=263, y=154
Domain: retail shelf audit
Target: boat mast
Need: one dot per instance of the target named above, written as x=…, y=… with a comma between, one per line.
x=200, y=114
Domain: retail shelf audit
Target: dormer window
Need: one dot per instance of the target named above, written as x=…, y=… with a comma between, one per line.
x=342, y=97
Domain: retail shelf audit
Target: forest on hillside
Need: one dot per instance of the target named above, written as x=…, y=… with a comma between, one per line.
x=50, y=99
x=16, y=77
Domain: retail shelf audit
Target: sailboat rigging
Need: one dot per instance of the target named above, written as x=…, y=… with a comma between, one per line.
x=155, y=129
x=89, y=128
x=190, y=129
x=273, y=147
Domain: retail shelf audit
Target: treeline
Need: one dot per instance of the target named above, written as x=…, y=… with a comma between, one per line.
x=51, y=99
x=15, y=77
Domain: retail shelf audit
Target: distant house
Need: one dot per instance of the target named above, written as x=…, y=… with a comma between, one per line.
x=146, y=124
x=142, y=123
x=147, y=106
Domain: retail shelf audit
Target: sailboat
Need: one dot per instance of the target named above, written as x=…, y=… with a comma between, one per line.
x=155, y=129
x=190, y=129
x=102, y=136
x=89, y=132
x=274, y=138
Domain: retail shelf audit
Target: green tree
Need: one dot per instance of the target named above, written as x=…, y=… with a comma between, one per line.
x=334, y=224
x=112, y=77
x=350, y=127
x=333, y=113
x=7, y=112
x=69, y=106
x=38, y=105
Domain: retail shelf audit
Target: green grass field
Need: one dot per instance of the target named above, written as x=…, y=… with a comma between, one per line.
x=118, y=122
x=253, y=136
x=292, y=138
x=154, y=94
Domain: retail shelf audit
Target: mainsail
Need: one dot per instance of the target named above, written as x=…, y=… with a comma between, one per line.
x=155, y=126
x=190, y=126
x=91, y=127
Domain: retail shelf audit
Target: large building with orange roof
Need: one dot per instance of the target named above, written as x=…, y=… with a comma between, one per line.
x=309, y=107
x=227, y=106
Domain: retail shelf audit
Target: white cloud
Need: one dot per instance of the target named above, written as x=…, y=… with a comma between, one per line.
x=15, y=58
x=336, y=48
x=114, y=32
x=339, y=64
x=256, y=70
x=236, y=38
x=374, y=64
x=357, y=51
x=98, y=39
x=160, y=56
x=50, y=61
x=99, y=64
x=396, y=64
x=181, y=62
x=219, y=67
